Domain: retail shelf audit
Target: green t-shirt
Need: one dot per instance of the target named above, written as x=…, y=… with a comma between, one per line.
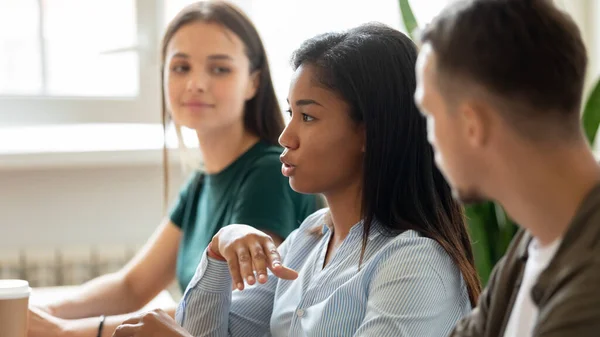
x=250, y=191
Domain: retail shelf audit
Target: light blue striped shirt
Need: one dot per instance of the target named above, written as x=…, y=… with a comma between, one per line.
x=407, y=286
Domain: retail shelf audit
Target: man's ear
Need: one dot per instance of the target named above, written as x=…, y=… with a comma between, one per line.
x=476, y=121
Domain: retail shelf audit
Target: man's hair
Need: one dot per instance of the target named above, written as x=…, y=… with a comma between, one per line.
x=527, y=54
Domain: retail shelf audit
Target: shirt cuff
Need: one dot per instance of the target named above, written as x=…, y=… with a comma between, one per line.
x=212, y=275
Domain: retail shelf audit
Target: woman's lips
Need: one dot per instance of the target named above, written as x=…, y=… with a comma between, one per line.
x=287, y=169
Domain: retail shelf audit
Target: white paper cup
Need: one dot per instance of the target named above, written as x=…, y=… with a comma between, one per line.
x=14, y=303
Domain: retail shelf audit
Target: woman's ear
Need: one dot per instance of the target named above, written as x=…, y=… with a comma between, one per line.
x=253, y=85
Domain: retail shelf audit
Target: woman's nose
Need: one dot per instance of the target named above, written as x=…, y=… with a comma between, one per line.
x=197, y=83
x=288, y=137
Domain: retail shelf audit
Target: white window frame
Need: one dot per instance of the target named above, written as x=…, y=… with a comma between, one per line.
x=17, y=110
x=145, y=108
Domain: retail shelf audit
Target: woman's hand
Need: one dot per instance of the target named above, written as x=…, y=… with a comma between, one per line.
x=42, y=324
x=246, y=250
x=155, y=323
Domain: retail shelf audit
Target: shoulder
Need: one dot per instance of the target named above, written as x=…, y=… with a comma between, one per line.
x=188, y=193
x=262, y=162
x=577, y=281
x=571, y=303
x=415, y=256
x=412, y=246
x=311, y=229
x=191, y=185
x=265, y=155
x=305, y=238
x=313, y=224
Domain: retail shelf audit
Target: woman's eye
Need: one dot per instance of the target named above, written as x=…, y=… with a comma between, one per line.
x=220, y=70
x=180, y=68
x=289, y=112
x=307, y=118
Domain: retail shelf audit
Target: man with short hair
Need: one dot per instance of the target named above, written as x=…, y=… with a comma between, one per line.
x=500, y=83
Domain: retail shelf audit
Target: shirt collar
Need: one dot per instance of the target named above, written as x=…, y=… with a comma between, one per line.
x=357, y=229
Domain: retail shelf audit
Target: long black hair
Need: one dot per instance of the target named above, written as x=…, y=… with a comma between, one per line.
x=372, y=67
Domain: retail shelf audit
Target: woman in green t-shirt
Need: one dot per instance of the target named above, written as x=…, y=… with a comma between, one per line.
x=216, y=81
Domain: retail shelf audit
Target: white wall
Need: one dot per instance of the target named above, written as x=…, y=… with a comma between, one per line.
x=586, y=14
x=594, y=46
x=122, y=205
x=80, y=206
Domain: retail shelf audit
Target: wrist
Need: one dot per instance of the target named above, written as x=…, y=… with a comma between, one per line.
x=67, y=328
x=52, y=310
x=212, y=253
x=101, y=326
x=85, y=327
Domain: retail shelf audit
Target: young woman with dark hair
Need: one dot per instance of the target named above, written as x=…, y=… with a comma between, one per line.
x=390, y=256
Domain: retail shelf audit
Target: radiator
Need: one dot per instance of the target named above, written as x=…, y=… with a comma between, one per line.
x=63, y=265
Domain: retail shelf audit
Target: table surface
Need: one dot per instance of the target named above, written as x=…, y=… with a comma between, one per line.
x=42, y=296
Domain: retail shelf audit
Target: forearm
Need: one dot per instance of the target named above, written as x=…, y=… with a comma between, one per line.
x=105, y=295
x=88, y=327
x=207, y=301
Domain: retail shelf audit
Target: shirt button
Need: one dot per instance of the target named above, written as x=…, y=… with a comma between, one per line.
x=300, y=313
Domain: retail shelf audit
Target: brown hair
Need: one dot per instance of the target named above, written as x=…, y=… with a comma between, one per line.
x=528, y=55
x=262, y=115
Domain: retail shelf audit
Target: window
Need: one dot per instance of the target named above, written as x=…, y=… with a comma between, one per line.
x=63, y=48
x=284, y=25
x=20, y=65
x=299, y=20
x=78, y=61
x=83, y=61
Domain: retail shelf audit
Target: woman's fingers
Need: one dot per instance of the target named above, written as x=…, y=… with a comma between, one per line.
x=260, y=261
x=245, y=263
x=127, y=330
x=273, y=254
x=134, y=319
x=284, y=272
x=234, y=270
x=275, y=263
x=251, y=252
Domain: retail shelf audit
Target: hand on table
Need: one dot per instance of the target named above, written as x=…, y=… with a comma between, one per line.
x=43, y=324
x=155, y=323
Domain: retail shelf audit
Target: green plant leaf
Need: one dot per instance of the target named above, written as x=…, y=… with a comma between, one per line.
x=478, y=217
x=591, y=114
x=408, y=18
x=506, y=231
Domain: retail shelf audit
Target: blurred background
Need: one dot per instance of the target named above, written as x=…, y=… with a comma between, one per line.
x=80, y=133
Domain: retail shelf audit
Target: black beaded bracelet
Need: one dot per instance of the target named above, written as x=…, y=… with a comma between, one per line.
x=101, y=326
